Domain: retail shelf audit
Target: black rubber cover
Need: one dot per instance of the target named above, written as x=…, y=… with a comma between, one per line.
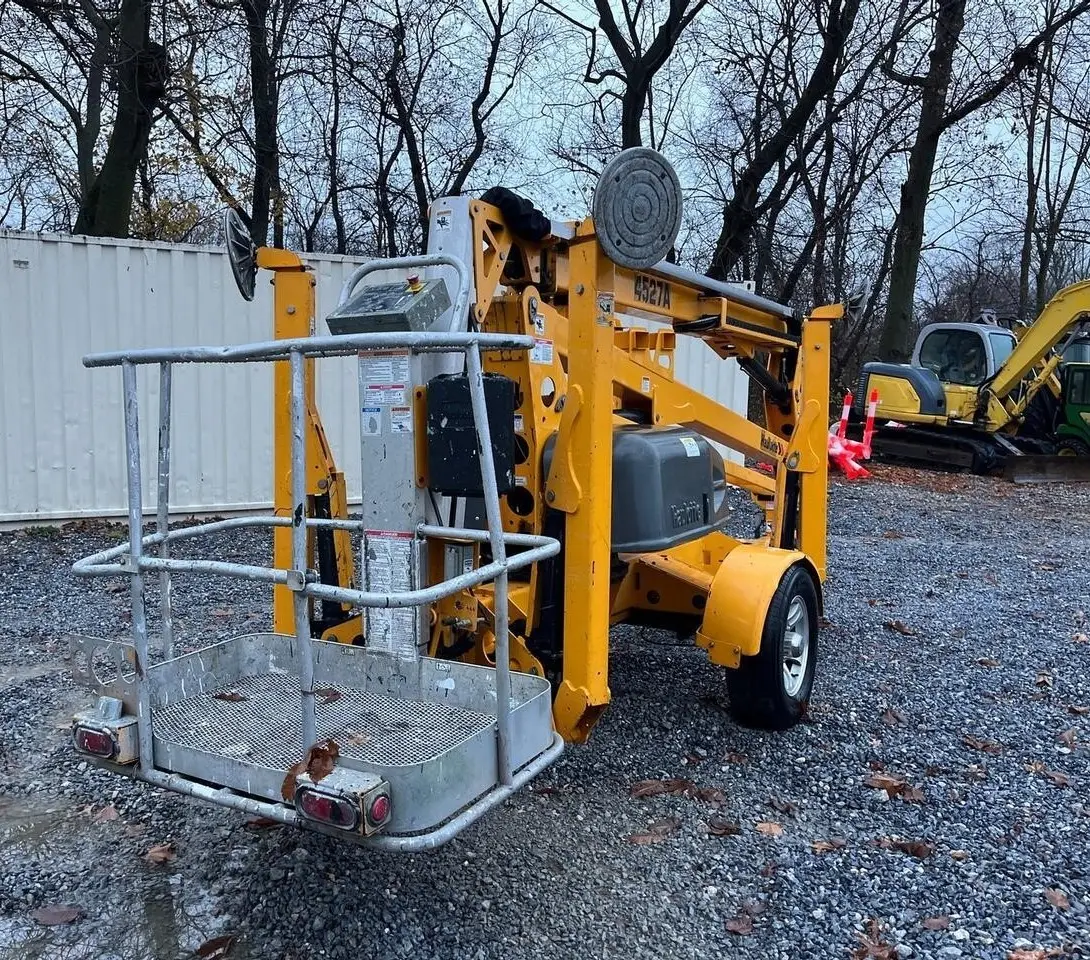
x=524, y=219
x=453, y=465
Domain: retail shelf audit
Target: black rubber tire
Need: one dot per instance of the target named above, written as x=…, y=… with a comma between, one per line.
x=757, y=695
x=1078, y=448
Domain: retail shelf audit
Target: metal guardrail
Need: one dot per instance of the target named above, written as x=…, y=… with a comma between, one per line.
x=133, y=559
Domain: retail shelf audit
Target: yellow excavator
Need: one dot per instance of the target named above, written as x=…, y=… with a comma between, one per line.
x=980, y=396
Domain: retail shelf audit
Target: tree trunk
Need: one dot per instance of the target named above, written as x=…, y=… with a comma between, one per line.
x=740, y=213
x=106, y=209
x=633, y=104
x=263, y=89
x=898, y=332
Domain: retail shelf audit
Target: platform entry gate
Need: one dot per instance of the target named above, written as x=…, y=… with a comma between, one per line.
x=407, y=750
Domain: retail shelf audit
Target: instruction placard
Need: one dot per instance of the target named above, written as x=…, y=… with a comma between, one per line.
x=371, y=421
x=542, y=351
x=692, y=448
x=385, y=366
x=384, y=377
x=389, y=569
x=401, y=419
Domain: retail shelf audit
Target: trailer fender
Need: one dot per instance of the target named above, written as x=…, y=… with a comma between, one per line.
x=739, y=598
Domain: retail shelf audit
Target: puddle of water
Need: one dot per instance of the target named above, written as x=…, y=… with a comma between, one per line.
x=13, y=673
x=167, y=925
x=144, y=916
x=28, y=826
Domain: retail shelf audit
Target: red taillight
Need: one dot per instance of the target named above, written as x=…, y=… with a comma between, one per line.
x=379, y=811
x=328, y=809
x=98, y=743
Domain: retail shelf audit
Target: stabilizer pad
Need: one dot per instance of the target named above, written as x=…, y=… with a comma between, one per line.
x=637, y=208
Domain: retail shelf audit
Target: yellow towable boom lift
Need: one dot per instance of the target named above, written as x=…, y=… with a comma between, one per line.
x=533, y=472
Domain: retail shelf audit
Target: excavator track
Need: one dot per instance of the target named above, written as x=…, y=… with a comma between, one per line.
x=944, y=449
x=1027, y=462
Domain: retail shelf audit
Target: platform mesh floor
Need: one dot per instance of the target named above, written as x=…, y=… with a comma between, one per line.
x=264, y=728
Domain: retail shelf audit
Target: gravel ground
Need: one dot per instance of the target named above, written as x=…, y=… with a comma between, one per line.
x=954, y=624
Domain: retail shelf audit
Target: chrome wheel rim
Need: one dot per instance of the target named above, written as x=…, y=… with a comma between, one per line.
x=796, y=646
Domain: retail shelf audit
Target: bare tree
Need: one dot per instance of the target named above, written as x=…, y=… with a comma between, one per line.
x=937, y=116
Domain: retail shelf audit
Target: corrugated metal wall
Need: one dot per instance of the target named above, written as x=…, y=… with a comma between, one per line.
x=61, y=439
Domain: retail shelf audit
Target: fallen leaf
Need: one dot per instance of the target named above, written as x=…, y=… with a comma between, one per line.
x=231, y=696
x=981, y=743
x=920, y=849
x=768, y=869
x=676, y=787
x=959, y=854
x=1077, y=711
x=936, y=923
x=753, y=906
x=709, y=794
x=986, y=662
x=56, y=914
x=1044, y=679
x=1058, y=779
x=318, y=763
x=828, y=846
x=891, y=783
x=892, y=717
x=656, y=831
x=781, y=806
x=1068, y=737
x=1080, y=637
x=262, y=823
x=741, y=925
x=872, y=946
x=545, y=790
x=135, y=829
x=328, y=694
x=217, y=949
x=899, y=626
x=1046, y=566
x=893, y=535
x=653, y=788
x=722, y=827
x=163, y=853
x=733, y=756
x=355, y=738
x=912, y=794
x=1058, y=898
x=106, y=814
x=770, y=828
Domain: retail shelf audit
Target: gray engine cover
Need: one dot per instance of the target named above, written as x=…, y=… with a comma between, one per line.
x=664, y=487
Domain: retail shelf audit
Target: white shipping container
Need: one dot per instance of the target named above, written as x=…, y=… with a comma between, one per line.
x=61, y=434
